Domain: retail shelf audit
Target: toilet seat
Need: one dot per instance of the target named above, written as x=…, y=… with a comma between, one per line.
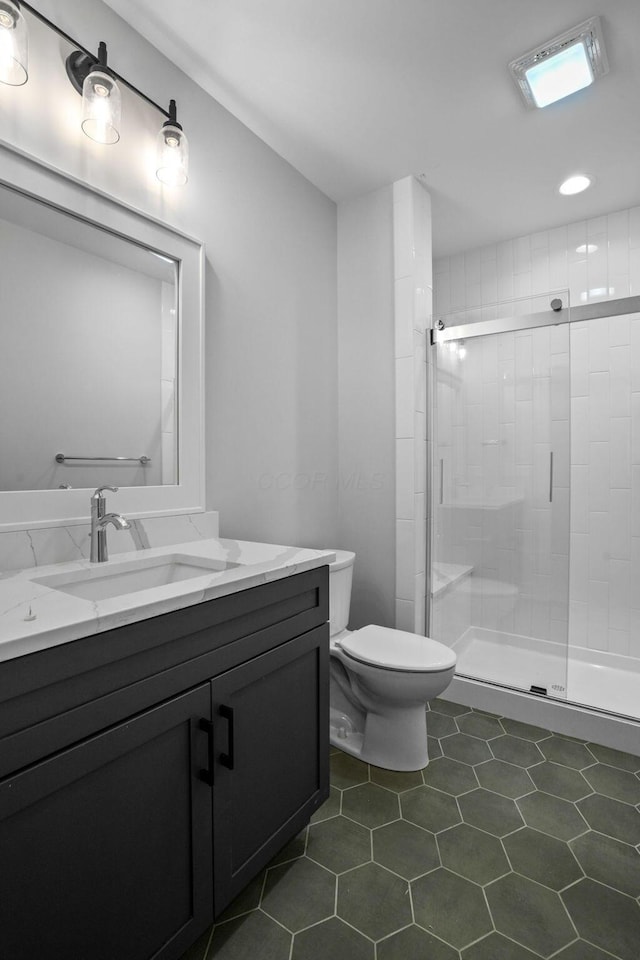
x=397, y=650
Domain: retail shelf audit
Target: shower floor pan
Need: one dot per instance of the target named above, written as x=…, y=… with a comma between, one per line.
x=591, y=678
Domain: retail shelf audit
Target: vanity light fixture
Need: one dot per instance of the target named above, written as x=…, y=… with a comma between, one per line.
x=101, y=100
x=14, y=44
x=562, y=66
x=173, y=151
x=98, y=84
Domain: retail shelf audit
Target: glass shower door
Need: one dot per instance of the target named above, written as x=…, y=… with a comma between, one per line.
x=500, y=535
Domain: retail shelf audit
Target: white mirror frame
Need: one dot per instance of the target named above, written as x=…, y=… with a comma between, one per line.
x=21, y=509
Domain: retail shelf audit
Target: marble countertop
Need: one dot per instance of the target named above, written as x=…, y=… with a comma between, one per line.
x=34, y=616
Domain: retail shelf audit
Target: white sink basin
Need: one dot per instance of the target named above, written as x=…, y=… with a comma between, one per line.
x=117, y=579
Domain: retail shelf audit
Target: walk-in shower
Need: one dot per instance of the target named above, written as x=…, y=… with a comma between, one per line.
x=535, y=546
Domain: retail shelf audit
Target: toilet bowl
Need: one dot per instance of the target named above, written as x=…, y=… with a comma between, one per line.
x=380, y=682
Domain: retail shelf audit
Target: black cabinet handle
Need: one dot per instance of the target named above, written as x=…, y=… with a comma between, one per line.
x=207, y=727
x=227, y=759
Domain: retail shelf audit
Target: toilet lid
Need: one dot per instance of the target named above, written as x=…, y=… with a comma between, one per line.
x=397, y=650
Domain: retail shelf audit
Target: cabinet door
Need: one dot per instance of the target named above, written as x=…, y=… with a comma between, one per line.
x=271, y=771
x=106, y=847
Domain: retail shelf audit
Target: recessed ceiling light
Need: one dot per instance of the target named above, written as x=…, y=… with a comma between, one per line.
x=575, y=184
x=587, y=248
x=561, y=66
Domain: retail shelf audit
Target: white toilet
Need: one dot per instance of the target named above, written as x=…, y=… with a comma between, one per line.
x=381, y=681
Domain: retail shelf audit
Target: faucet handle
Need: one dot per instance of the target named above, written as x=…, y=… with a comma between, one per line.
x=98, y=493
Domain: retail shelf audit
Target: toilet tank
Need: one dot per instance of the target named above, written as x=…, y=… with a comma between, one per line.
x=340, y=578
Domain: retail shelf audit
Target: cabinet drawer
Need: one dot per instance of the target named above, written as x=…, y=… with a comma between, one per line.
x=51, y=699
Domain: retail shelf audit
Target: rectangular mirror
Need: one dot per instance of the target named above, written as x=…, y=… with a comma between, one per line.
x=100, y=354
x=88, y=353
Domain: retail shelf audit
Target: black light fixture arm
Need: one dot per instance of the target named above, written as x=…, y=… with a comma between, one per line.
x=102, y=55
x=173, y=116
x=82, y=61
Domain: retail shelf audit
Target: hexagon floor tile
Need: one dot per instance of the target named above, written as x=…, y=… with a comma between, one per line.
x=431, y=809
x=614, y=783
x=560, y=781
x=530, y=914
x=339, y=844
x=299, y=893
x=604, y=917
x=516, y=750
x=530, y=855
x=609, y=861
x=543, y=859
x=491, y=812
x=333, y=938
x=451, y=776
x=469, y=750
x=370, y=805
x=612, y=817
x=552, y=815
x=406, y=849
x=452, y=908
x=472, y=853
x=413, y=943
x=567, y=752
x=374, y=901
x=504, y=778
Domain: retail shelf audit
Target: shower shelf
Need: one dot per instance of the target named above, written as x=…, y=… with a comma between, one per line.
x=445, y=576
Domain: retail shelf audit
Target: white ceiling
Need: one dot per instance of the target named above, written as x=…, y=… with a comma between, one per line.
x=359, y=93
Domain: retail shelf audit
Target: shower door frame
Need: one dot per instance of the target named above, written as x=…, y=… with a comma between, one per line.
x=440, y=334
x=587, y=311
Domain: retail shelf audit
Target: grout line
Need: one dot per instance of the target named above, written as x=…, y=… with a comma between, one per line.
x=351, y=926
x=206, y=949
x=557, y=952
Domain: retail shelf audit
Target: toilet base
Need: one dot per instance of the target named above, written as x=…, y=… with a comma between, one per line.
x=396, y=740
x=344, y=736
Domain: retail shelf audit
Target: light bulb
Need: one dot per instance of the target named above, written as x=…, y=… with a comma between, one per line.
x=13, y=45
x=172, y=166
x=101, y=107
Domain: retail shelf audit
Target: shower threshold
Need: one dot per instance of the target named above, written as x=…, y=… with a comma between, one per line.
x=591, y=678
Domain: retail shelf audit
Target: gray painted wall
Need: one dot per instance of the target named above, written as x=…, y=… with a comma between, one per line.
x=270, y=236
x=366, y=388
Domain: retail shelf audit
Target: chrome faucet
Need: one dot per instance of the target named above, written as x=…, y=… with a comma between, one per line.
x=99, y=521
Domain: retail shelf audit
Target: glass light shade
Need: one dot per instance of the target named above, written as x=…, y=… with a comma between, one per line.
x=13, y=45
x=173, y=156
x=101, y=107
x=559, y=75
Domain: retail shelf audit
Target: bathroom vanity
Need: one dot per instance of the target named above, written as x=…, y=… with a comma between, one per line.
x=149, y=770
x=164, y=715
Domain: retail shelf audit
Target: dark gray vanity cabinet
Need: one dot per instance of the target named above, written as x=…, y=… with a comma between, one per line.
x=149, y=772
x=270, y=732
x=106, y=847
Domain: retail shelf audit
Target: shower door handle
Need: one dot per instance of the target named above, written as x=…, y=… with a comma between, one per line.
x=551, y=477
x=441, y=498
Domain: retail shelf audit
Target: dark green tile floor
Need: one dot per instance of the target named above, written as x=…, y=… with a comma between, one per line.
x=512, y=844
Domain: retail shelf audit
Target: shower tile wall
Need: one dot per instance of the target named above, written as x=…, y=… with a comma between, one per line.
x=412, y=317
x=605, y=472
x=598, y=259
